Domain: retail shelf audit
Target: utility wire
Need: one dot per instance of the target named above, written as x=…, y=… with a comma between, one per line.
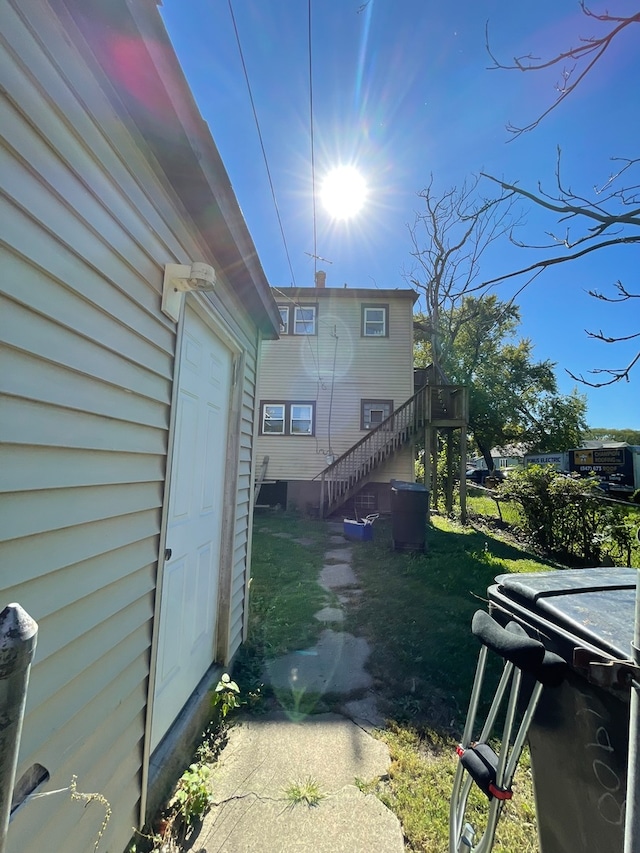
x=264, y=153
x=313, y=159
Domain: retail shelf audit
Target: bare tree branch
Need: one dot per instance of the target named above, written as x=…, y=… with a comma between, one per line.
x=581, y=58
x=600, y=336
x=616, y=375
x=449, y=237
x=548, y=262
x=624, y=294
x=611, y=216
x=605, y=222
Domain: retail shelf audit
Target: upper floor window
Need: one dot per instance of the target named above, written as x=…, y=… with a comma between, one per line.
x=304, y=320
x=298, y=319
x=375, y=321
x=284, y=319
x=287, y=418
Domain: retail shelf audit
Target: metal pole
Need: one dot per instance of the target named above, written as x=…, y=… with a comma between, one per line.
x=18, y=634
x=632, y=814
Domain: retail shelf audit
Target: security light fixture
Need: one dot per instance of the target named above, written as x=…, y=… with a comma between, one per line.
x=182, y=278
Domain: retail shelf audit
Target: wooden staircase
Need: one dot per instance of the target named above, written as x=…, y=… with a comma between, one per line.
x=431, y=405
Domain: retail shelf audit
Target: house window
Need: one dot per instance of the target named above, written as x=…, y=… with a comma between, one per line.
x=298, y=319
x=373, y=412
x=284, y=319
x=301, y=422
x=304, y=320
x=273, y=418
x=375, y=321
x=287, y=418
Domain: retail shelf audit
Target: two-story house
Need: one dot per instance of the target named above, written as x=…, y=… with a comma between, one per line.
x=341, y=368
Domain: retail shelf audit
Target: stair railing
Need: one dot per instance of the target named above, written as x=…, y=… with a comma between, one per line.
x=341, y=476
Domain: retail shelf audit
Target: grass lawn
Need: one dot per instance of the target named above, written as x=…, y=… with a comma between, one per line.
x=284, y=591
x=415, y=611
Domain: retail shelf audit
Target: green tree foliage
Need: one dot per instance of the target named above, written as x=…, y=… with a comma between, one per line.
x=512, y=397
x=631, y=436
x=566, y=516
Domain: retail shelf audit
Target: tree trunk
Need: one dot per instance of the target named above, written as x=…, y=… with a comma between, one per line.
x=486, y=453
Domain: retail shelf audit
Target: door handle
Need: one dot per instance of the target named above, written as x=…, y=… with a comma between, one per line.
x=167, y=553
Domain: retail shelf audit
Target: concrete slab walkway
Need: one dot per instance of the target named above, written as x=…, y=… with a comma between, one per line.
x=253, y=811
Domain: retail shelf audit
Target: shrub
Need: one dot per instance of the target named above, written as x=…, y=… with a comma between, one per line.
x=566, y=516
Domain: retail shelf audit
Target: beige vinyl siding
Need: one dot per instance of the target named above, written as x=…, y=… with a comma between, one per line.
x=86, y=364
x=300, y=368
x=86, y=380
x=242, y=528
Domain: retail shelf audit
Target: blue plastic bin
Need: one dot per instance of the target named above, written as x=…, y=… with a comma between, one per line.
x=362, y=531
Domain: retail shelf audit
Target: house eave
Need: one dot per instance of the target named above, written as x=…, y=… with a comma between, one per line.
x=147, y=87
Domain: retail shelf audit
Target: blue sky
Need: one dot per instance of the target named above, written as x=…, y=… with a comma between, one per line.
x=401, y=90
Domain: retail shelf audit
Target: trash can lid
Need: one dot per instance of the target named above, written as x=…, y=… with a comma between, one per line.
x=402, y=486
x=596, y=605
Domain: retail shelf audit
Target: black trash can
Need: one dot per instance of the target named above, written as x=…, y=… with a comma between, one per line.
x=409, y=511
x=579, y=738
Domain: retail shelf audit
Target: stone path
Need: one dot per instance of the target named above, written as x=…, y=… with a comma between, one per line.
x=265, y=756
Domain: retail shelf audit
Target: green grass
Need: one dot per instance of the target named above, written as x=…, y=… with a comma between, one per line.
x=284, y=586
x=421, y=779
x=306, y=793
x=479, y=503
x=415, y=611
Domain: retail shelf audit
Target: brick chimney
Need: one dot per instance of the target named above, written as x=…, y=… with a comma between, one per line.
x=321, y=278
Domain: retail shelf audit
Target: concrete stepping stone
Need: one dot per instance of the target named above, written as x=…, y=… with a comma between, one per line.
x=340, y=555
x=337, y=539
x=330, y=614
x=364, y=712
x=336, y=664
x=336, y=576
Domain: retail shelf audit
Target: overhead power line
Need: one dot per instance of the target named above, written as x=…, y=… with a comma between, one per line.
x=313, y=158
x=264, y=153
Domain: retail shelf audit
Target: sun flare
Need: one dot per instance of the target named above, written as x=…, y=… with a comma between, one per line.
x=343, y=192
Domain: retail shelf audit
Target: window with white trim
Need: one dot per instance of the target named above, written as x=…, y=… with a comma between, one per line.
x=301, y=420
x=373, y=412
x=284, y=319
x=287, y=418
x=375, y=321
x=298, y=319
x=304, y=320
x=273, y=418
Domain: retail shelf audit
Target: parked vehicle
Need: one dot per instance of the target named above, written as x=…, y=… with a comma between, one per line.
x=617, y=465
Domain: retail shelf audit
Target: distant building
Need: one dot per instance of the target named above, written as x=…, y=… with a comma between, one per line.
x=341, y=368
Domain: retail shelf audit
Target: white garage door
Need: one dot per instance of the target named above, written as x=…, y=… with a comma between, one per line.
x=188, y=611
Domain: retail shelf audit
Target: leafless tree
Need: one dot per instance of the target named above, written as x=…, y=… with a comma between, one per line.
x=575, y=62
x=449, y=236
x=609, y=215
